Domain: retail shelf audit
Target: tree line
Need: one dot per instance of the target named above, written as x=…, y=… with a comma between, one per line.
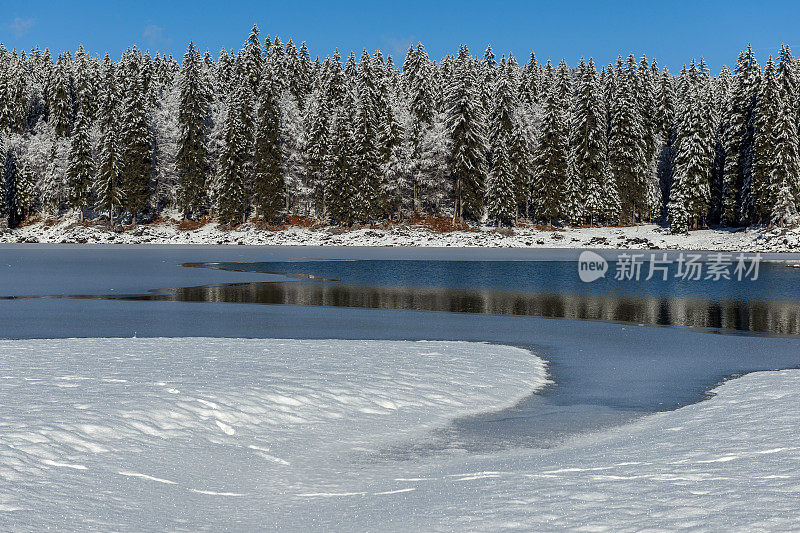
x=267, y=132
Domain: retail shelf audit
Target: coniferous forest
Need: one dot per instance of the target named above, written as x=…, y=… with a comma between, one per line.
x=268, y=132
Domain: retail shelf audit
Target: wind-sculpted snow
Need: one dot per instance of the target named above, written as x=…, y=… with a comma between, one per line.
x=166, y=433
x=731, y=463
x=192, y=434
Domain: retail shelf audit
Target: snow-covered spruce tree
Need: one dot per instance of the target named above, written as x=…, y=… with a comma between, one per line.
x=764, y=145
x=251, y=63
x=721, y=89
x=135, y=142
x=467, y=129
x=8, y=189
x=80, y=168
x=627, y=149
x=551, y=157
x=646, y=96
x=234, y=160
x=521, y=164
x=342, y=195
x=26, y=190
x=108, y=178
x=6, y=107
x=14, y=92
x=298, y=193
x=739, y=138
x=666, y=121
x=268, y=184
x=588, y=143
x=316, y=124
x=193, y=116
x=108, y=181
x=367, y=129
x=785, y=178
x=786, y=164
x=431, y=167
x=85, y=94
x=694, y=160
x=60, y=91
x=393, y=152
x=417, y=73
x=501, y=203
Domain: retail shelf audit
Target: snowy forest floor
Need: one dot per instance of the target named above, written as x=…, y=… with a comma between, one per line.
x=432, y=233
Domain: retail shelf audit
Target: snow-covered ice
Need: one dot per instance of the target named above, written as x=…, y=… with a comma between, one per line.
x=188, y=434
x=102, y=432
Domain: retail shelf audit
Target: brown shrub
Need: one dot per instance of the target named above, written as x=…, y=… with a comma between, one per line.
x=300, y=221
x=441, y=224
x=547, y=227
x=190, y=225
x=31, y=220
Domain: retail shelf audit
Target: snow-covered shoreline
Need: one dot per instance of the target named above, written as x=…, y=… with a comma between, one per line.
x=646, y=236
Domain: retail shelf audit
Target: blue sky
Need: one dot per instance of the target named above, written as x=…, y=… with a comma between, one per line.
x=672, y=31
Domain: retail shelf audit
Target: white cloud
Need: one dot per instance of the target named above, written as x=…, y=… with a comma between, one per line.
x=20, y=26
x=154, y=35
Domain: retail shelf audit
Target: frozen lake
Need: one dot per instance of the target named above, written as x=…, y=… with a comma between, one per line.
x=606, y=372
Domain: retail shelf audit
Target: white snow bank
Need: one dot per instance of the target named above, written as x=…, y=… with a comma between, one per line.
x=189, y=434
x=731, y=463
x=646, y=236
x=155, y=433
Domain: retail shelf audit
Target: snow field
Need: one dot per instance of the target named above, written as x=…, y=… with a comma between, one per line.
x=89, y=428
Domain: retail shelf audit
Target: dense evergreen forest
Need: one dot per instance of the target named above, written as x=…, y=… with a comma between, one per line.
x=267, y=132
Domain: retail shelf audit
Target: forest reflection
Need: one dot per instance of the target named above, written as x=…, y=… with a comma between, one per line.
x=757, y=316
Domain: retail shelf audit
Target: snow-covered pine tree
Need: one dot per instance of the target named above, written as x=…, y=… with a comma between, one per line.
x=234, y=159
x=666, y=123
x=501, y=202
x=60, y=90
x=268, y=184
x=431, y=167
x=767, y=112
x=646, y=96
x=85, y=97
x=80, y=168
x=6, y=81
x=739, y=139
x=367, y=137
x=721, y=88
x=694, y=160
x=316, y=125
x=342, y=195
x=193, y=116
x=135, y=142
x=417, y=74
x=298, y=193
x=26, y=189
x=8, y=189
x=551, y=155
x=108, y=178
x=785, y=177
x=108, y=181
x=588, y=143
x=389, y=138
x=627, y=149
x=786, y=162
x=467, y=129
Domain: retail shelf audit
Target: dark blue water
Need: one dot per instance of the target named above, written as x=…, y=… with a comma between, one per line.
x=605, y=372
